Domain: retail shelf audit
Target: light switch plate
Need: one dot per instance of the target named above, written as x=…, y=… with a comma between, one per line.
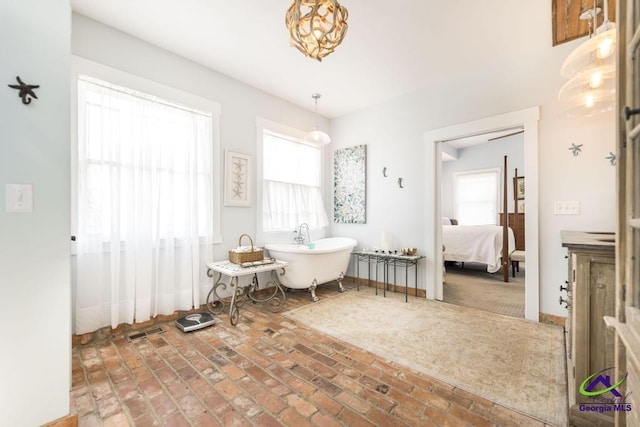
x=570, y=207
x=19, y=198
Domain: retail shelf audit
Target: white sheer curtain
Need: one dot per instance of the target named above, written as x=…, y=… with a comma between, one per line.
x=291, y=190
x=144, y=206
x=477, y=196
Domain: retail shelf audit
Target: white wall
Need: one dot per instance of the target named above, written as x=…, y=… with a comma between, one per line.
x=240, y=103
x=484, y=156
x=393, y=132
x=34, y=247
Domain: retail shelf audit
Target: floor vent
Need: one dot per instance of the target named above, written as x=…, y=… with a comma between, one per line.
x=145, y=333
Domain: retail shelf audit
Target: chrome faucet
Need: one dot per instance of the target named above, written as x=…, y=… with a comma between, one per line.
x=300, y=239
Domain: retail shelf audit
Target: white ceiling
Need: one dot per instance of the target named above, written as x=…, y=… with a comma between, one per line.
x=391, y=48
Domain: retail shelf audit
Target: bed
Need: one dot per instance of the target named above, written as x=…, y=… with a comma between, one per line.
x=487, y=244
x=476, y=243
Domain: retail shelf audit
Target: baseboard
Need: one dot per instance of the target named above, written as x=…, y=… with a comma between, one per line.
x=126, y=329
x=390, y=287
x=552, y=319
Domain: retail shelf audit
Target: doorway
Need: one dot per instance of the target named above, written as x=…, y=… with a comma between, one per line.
x=528, y=120
x=472, y=197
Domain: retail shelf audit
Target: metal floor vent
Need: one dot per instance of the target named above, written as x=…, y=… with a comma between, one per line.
x=146, y=333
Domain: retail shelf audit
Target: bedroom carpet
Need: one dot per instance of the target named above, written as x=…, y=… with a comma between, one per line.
x=516, y=363
x=473, y=287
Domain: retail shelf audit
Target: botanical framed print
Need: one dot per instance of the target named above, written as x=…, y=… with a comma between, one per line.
x=349, y=185
x=237, y=179
x=519, y=187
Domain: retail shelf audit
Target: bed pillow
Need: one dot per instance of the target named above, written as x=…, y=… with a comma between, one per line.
x=446, y=221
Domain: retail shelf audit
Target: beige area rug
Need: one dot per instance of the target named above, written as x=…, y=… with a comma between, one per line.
x=473, y=287
x=515, y=363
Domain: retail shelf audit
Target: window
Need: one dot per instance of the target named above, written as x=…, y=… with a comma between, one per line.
x=145, y=197
x=291, y=187
x=476, y=196
x=143, y=163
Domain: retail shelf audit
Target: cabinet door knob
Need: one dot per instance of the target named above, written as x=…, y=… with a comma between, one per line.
x=564, y=301
x=628, y=112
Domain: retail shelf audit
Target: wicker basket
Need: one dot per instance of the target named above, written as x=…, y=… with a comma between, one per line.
x=256, y=254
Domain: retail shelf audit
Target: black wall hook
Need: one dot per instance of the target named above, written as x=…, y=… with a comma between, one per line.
x=26, y=91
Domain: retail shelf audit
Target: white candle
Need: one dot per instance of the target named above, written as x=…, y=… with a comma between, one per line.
x=386, y=241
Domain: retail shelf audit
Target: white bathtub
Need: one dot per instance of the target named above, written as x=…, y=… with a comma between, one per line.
x=308, y=268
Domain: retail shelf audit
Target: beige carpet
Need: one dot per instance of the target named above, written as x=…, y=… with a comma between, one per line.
x=516, y=363
x=473, y=287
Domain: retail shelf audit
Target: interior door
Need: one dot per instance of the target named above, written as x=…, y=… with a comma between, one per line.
x=627, y=322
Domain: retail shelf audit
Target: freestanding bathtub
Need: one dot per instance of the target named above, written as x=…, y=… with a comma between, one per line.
x=321, y=261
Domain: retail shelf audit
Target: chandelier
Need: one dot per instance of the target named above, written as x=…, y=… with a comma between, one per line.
x=316, y=27
x=591, y=69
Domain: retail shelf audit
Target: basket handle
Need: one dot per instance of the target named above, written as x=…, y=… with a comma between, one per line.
x=250, y=240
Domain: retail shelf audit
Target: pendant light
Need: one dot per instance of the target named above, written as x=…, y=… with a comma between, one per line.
x=591, y=69
x=317, y=136
x=316, y=27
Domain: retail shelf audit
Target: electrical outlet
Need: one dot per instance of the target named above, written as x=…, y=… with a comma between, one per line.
x=571, y=207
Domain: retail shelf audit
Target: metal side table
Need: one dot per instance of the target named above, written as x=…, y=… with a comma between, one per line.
x=387, y=260
x=274, y=300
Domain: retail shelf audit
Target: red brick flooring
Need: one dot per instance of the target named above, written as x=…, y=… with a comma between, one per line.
x=266, y=371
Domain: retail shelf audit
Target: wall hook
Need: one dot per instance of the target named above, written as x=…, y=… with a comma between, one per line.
x=612, y=158
x=26, y=91
x=576, y=149
x=400, y=183
x=384, y=171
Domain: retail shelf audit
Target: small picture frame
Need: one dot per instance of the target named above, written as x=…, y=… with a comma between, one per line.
x=519, y=187
x=237, y=179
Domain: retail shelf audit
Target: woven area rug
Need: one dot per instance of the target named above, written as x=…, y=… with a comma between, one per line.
x=513, y=362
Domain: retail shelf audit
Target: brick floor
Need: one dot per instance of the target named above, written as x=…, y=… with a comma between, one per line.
x=266, y=371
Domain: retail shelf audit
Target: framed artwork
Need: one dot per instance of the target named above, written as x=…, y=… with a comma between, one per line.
x=519, y=187
x=237, y=179
x=349, y=185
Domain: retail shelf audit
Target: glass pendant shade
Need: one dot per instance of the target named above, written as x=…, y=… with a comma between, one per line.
x=596, y=51
x=591, y=71
x=317, y=137
x=600, y=78
x=316, y=27
x=590, y=92
x=590, y=104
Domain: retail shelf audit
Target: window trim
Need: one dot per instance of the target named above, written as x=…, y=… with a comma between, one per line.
x=496, y=170
x=82, y=66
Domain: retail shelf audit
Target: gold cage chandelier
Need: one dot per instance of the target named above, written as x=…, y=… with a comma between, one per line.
x=316, y=27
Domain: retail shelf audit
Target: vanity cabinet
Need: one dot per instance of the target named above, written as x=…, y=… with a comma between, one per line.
x=590, y=296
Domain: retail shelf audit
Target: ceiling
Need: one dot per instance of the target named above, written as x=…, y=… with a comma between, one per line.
x=391, y=48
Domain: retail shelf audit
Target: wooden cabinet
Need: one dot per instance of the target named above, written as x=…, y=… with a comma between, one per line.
x=516, y=223
x=590, y=345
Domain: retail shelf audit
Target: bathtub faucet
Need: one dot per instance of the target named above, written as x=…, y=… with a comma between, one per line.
x=299, y=239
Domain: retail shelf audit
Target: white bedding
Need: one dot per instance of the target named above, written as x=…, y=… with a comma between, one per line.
x=475, y=243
